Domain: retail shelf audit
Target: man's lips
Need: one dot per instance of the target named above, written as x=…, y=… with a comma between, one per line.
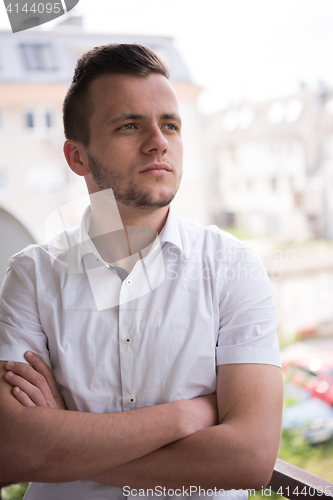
x=156, y=169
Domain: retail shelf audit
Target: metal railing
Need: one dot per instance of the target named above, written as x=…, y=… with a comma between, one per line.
x=295, y=483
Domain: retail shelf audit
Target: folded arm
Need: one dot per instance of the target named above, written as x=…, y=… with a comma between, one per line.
x=41, y=443
x=239, y=453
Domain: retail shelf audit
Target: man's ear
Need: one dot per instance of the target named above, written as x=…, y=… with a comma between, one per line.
x=76, y=157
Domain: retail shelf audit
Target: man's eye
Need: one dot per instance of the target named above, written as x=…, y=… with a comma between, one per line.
x=170, y=126
x=128, y=126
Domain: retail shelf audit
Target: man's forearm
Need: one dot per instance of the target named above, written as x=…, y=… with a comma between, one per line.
x=221, y=457
x=41, y=444
x=47, y=445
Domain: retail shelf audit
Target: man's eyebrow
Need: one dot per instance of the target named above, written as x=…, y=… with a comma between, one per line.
x=125, y=116
x=170, y=116
x=134, y=116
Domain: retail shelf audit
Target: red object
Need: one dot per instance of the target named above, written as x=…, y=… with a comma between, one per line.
x=313, y=371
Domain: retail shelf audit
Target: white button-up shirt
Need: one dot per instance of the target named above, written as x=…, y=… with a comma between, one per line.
x=152, y=338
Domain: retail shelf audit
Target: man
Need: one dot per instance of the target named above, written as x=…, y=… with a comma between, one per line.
x=131, y=368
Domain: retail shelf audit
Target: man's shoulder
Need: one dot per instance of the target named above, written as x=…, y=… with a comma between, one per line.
x=46, y=253
x=30, y=253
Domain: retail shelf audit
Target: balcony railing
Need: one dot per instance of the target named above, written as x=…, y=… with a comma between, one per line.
x=294, y=483
x=289, y=482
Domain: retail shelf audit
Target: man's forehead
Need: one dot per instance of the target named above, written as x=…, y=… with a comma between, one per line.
x=133, y=94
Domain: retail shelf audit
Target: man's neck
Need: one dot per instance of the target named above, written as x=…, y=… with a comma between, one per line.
x=154, y=219
x=119, y=232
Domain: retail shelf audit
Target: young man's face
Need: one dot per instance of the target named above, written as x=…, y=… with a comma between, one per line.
x=135, y=141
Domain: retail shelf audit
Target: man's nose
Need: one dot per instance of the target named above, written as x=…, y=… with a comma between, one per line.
x=155, y=142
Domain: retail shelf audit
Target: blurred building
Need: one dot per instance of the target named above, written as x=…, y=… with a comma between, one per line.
x=272, y=166
x=272, y=174
x=36, y=69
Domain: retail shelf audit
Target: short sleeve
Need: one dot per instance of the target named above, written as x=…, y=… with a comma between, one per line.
x=248, y=316
x=20, y=327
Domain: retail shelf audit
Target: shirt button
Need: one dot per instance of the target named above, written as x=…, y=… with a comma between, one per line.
x=131, y=400
x=129, y=282
x=128, y=340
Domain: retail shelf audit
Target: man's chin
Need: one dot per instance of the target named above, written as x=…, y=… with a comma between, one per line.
x=146, y=201
x=152, y=204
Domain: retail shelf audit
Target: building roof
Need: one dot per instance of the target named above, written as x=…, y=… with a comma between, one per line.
x=49, y=57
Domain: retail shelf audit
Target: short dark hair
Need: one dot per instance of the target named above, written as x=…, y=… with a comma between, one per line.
x=116, y=58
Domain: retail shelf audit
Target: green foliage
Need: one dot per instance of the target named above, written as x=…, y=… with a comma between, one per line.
x=15, y=491
x=295, y=450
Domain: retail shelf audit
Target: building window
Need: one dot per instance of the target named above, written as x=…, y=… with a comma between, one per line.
x=48, y=119
x=39, y=119
x=29, y=120
x=37, y=57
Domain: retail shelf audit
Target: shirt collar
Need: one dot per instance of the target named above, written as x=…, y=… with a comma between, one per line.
x=169, y=234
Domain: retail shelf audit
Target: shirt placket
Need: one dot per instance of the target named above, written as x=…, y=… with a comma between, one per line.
x=133, y=287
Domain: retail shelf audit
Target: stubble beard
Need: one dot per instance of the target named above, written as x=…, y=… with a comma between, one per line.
x=132, y=196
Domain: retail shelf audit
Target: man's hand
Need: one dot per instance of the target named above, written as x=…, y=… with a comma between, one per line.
x=34, y=384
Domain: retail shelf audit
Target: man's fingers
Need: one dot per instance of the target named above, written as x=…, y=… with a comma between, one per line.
x=22, y=397
x=42, y=368
x=31, y=391
x=41, y=377
x=28, y=373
